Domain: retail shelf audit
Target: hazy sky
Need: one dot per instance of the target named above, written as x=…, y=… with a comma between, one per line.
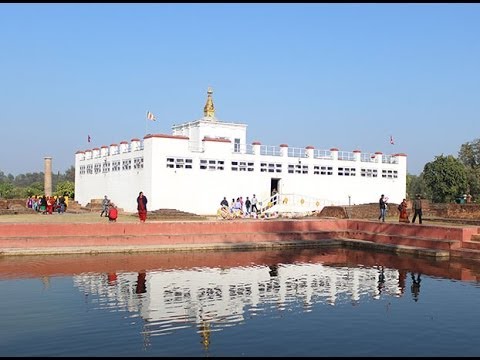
x=328, y=75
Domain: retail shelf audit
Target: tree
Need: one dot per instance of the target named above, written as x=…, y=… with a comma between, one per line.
x=6, y=190
x=445, y=178
x=469, y=154
x=70, y=174
x=416, y=185
x=65, y=188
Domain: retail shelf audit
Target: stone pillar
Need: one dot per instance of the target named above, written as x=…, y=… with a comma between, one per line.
x=48, y=176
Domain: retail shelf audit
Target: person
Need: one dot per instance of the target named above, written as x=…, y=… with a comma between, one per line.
x=105, y=204
x=142, y=207
x=417, y=209
x=248, y=204
x=254, y=204
x=403, y=217
x=112, y=213
x=62, y=204
x=224, y=202
x=383, y=206
x=415, y=287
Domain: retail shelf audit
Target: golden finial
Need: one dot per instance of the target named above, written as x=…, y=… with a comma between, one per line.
x=209, y=109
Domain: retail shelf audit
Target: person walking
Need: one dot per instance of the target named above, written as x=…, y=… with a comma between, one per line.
x=105, y=205
x=403, y=217
x=417, y=208
x=248, y=204
x=142, y=207
x=254, y=204
x=383, y=206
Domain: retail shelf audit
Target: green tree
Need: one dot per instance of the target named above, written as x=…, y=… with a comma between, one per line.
x=469, y=155
x=70, y=174
x=445, y=178
x=416, y=185
x=6, y=190
x=65, y=188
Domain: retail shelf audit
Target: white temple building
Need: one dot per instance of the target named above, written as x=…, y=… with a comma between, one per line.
x=203, y=161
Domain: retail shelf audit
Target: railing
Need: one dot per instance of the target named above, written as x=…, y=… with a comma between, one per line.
x=269, y=150
x=295, y=203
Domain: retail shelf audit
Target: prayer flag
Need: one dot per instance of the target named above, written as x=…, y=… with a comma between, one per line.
x=150, y=116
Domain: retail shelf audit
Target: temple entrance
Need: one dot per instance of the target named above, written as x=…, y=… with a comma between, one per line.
x=274, y=189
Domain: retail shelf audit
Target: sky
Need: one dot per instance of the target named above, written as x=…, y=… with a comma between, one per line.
x=328, y=75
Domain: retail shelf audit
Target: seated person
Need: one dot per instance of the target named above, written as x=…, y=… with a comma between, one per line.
x=112, y=213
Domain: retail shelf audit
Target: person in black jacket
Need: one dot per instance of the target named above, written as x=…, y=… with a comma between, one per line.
x=417, y=207
x=383, y=206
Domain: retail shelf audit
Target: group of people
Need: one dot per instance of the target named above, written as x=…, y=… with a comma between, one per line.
x=111, y=211
x=402, y=208
x=47, y=204
x=238, y=208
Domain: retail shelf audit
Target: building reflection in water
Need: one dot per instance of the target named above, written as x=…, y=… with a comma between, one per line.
x=213, y=298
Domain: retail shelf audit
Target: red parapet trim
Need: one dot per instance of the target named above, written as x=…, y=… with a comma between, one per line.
x=80, y=152
x=88, y=150
x=310, y=147
x=123, y=142
x=256, y=143
x=378, y=152
x=283, y=145
x=96, y=149
x=135, y=139
x=113, y=144
x=400, y=154
x=357, y=151
x=104, y=147
x=166, y=136
x=333, y=149
x=216, y=140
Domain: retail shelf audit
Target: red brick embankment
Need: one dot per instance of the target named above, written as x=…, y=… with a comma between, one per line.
x=64, y=238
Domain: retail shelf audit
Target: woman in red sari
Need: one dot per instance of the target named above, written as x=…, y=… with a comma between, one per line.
x=142, y=206
x=403, y=212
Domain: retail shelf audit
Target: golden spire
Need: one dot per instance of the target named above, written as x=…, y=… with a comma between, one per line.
x=209, y=109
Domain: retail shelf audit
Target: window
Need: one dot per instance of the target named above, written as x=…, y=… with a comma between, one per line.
x=138, y=163
x=236, y=145
x=345, y=171
x=211, y=164
x=127, y=164
x=322, y=170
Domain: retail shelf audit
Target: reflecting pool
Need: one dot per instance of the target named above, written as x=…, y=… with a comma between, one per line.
x=296, y=302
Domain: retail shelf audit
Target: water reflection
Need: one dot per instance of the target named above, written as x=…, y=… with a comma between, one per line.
x=213, y=298
x=212, y=291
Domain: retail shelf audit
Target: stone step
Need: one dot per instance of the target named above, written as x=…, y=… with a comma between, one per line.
x=473, y=245
x=465, y=253
x=406, y=240
x=161, y=239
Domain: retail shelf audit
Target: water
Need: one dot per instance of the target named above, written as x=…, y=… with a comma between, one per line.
x=315, y=302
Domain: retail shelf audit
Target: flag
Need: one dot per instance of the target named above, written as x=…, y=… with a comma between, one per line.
x=89, y=139
x=150, y=116
x=391, y=140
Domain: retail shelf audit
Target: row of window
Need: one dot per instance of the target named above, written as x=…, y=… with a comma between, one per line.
x=213, y=164
x=107, y=166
